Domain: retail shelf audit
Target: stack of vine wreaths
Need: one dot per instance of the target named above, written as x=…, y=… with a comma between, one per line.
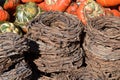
x=102, y=46
x=58, y=36
x=12, y=63
x=59, y=40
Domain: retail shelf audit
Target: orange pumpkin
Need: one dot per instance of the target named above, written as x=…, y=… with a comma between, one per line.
x=57, y=5
x=89, y=9
x=119, y=8
x=37, y=1
x=115, y=12
x=11, y=4
x=4, y=16
x=43, y=6
x=108, y=2
x=72, y=9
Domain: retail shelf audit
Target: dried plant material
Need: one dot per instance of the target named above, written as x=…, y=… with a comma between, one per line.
x=109, y=69
x=20, y=72
x=12, y=47
x=46, y=78
x=103, y=37
x=58, y=35
x=83, y=73
x=102, y=46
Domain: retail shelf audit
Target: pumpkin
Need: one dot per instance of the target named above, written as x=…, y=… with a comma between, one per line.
x=37, y=1
x=119, y=8
x=57, y=5
x=43, y=6
x=108, y=2
x=115, y=12
x=6, y=26
x=25, y=13
x=72, y=8
x=89, y=9
x=4, y=16
x=11, y=4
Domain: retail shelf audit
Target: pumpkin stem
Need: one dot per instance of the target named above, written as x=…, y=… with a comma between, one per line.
x=50, y=2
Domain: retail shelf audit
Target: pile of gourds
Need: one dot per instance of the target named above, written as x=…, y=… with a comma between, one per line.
x=20, y=12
